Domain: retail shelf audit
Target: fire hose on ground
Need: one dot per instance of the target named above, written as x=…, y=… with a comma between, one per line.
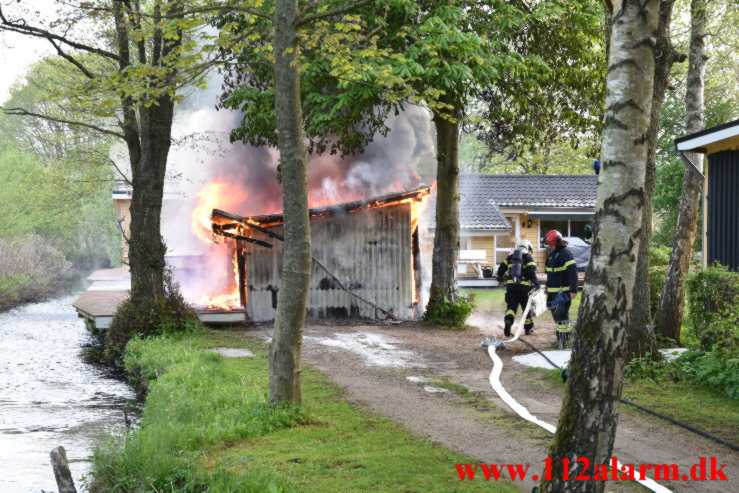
x=512, y=403
x=649, y=411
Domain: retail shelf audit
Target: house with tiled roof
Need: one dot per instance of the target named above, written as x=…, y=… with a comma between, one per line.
x=495, y=210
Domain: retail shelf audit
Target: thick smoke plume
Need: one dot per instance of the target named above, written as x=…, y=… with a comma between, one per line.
x=207, y=171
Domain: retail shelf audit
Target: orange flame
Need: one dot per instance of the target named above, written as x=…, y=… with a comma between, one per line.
x=418, y=207
x=229, y=301
x=217, y=195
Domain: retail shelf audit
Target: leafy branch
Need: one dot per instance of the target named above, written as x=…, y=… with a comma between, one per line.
x=23, y=112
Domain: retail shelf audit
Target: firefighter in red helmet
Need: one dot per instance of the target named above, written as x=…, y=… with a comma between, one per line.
x=561, y=282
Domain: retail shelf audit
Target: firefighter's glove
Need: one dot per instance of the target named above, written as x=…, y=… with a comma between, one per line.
x=559, y=301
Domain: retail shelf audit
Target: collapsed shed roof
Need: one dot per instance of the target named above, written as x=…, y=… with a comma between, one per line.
x=223, y=217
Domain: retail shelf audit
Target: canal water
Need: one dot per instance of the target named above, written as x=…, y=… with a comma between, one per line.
x=50, y=397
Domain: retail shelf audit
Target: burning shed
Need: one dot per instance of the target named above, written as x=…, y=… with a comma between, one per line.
x=366, y=258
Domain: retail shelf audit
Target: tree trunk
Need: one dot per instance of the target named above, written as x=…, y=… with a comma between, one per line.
x=669, y=317
x=641, y=338
x=446, y=236
x=589, y=414
x=146, y=247
x=148, y=138
x=287, y=339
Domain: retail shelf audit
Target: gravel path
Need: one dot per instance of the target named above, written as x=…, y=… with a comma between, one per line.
x=373, y=363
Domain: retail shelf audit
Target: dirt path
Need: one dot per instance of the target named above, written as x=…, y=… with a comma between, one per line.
x=373, y=363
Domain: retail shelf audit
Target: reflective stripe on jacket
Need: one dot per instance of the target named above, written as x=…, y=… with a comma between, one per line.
x=561, y=271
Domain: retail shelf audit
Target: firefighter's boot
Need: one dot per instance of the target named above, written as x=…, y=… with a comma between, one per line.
x=508, y=324
x=528, y=327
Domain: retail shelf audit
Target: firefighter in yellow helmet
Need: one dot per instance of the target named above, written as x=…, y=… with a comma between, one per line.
x=521, y=270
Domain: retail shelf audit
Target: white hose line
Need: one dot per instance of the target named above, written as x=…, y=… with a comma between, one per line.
x=525, y=414
x=512, y=403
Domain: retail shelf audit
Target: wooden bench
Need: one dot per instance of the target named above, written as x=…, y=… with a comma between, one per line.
x=474, y=258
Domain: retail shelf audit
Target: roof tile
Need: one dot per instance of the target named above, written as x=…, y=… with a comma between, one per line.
x=483, y=195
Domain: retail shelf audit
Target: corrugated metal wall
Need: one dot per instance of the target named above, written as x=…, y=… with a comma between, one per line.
x=723, y=209
x=370, y=251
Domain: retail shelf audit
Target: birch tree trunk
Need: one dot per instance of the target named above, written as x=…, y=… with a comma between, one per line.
x=446, y=236
x=287, y=338
x=641, y=338
x=589, y=414
x=669, y=316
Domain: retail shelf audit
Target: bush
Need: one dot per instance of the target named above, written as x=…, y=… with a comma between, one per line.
x=450, y=313
x=31, y=269
x=133, y=321
x=659, y=256
x=717, y=369
x=713, y=305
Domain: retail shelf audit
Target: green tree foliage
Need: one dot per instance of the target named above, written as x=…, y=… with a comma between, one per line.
x=559, y=157
x=721, y=106
x=75, y=216
x=56, y=179
x=559, y=105
x=346, y=79
x=419, y=52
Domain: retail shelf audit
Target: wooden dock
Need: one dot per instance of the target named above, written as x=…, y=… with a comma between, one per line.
x=98, y=306
x=107, y=288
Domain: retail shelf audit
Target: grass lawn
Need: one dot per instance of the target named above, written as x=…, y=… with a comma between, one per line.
x=701, y=408
x=493, y=300
x=206, y=424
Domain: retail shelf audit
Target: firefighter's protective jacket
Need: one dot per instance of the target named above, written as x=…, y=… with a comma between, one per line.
x=561, y=271
x=528, y=271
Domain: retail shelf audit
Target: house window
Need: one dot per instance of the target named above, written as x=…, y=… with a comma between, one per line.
x=568, y=227
x=546, y=225
x=577, y=227
x=465, y=242
x=505, y=241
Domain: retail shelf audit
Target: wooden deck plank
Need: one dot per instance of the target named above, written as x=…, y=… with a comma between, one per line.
x=110, y=274
x=110, y=287
x=99, y=303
